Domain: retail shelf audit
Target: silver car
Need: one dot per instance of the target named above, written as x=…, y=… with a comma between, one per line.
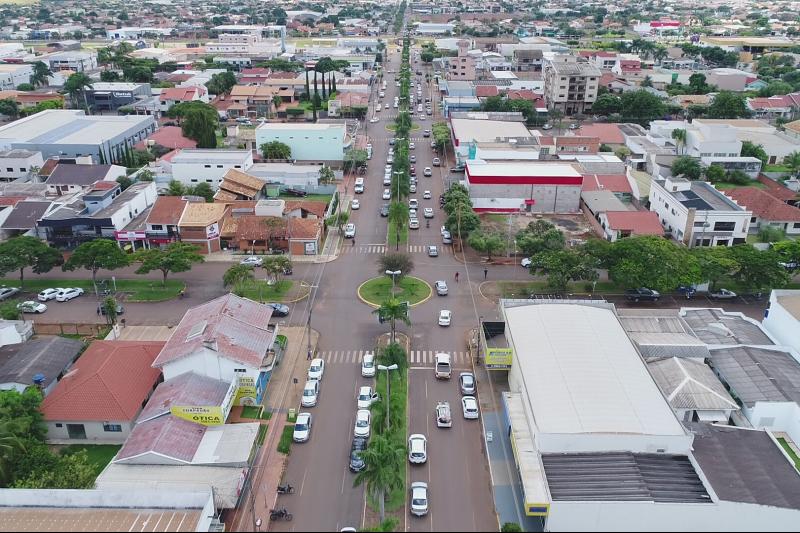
x=466, y=380
x=419, y=498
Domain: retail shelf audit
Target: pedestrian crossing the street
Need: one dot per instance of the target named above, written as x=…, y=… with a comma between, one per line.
x=416, y=357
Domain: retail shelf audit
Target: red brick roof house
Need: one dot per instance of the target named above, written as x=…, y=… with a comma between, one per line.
x=616, y=183
x=621, y=224
x=169, y=137
x=767, y=210
x=609, y=134
x=305, y=236
x=100, y=397
x=485, y=91
x=779, y=191
x=177, y=95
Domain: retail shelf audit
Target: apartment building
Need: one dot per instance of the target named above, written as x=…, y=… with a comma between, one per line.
x=461, y=67
x=19, y=164
x=570, y=85
x=75, y=61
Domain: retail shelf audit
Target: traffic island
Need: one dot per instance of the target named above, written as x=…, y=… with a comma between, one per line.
x=284, y=291
x=409, y=289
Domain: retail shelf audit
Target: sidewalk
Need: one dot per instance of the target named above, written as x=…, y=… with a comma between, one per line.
x=281, y=395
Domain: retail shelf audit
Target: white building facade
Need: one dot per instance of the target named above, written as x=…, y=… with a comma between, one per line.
x=194, y=166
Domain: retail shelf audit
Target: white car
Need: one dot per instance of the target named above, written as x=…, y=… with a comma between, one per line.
x=68, y=294
x=426, y=195
x=417, y=449
x=358, y=189
x=302, y=427
x=427, y=172
x=443, y=418
x=387, y=194
x=386, y=106
x=350, y=231
x=526, y=262
x=368, y=366
x=317, y=369
x=413, y=223
x=249, y=261
x=355, y=204
x=363, y=421
x=412, y=213
x=412, y=158
x=411, y=146
x=722, y=294
x=470, y=407
x=413, y=203
x=412, y=188
x=428, y=212
x=48, y=294
x=29, y=306
x=310, y=393
x=419, y=498
x=373, y=120
x=441, y=288
x=390, y=160
x=444, y=317
x=366, y=397
x=437, y=162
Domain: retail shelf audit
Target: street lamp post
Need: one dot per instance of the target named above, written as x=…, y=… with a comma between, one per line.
x=387, y=369
x=394, y=274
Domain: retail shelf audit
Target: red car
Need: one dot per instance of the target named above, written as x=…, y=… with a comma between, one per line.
x=413, y=170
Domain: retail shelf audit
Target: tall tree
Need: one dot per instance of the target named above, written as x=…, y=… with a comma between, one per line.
x=728, y=104
x=540, y=236
x=277, y=265
x=688, y=167
x=715, y=262
x=384, y=461
x=754, y=150
x=76, y=86
x=23, y=252
x=758, y=270
x=95, y=255
x=177, y=257
x=393, y=310
x=201, y=126
x=9, y=108
x=652, y=262
x=40, y=73
x=398, y=218
x=396, y=262
x=788, y=253
x=488, y=243
x=641, y=106
x=679, y=136
x=563, y=266
x=276, y=150
x=237, y=275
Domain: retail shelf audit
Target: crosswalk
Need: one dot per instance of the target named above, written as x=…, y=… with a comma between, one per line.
x=381, y=249
x=416, y=357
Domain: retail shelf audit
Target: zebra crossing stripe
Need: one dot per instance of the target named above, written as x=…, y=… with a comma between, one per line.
x=419, y=357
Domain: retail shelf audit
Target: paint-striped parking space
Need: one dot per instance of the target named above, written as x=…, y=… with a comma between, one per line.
x=417, y=358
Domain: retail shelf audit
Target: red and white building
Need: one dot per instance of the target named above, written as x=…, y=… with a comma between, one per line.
x=533, y=187
x=177, y=95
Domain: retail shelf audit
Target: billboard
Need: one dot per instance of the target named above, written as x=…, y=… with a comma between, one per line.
x=499, y=358
x=206, y=416
x=246, y=392
x=212, y=231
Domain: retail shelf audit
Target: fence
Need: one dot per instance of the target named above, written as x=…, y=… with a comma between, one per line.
x=88, y=330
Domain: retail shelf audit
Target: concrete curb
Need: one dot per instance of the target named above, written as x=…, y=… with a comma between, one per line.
x=376, y=306
x=308, y=291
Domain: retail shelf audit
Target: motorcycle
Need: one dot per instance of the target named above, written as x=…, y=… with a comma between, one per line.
x=285, y=489
x=280, y=514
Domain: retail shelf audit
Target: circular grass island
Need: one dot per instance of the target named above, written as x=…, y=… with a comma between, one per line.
x=409, y=289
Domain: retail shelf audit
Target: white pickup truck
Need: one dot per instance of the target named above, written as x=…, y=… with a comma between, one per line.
x=443, y=368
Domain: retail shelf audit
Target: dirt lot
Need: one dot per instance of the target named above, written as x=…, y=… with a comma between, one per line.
x=575, y=227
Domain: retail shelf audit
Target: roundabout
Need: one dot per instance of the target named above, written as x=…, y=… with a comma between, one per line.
x=409, y=289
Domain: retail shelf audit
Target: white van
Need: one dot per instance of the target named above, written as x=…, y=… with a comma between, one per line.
x=443, y=368
x=359, y=181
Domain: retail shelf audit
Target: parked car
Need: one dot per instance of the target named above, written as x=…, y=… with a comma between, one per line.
x=444, y=317
x=350, y=231
x=358, y=189
x=441, y=288
x=433, y=251
x=417, y=449
x=316, y=369
x=547, y=127
x=119, y=309
x=469, y=406
x=443, y=416
x=363, y=422
x=366, y=397
x=419, y=498
x=466, y=381
x=48, y=294
x=302, y=427
x=30, y=306
x=310, y=393
x=687, y=290
x=368, y=365
x=412, y=188
x=437, y=162
x=387, y=194
x=642, y=293
x=385, y=210
x=412, y=158
x=722, y=294
x=296, y=192
x=447, y=238
x=526, y=262
x=356, y=461
x=279, y=309
x=457, y=169
x=68, y=294
x=355, y=204
x=7, y=292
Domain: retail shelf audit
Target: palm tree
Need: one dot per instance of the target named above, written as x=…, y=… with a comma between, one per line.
x=76, y=85
x=237, y=275
x=384, y=461
x=660, y=53
x=276, y=103
x=11, y=446
x=793, y=162
x=393, y=310
x=398, y=217
x=679, y=135
x=40, y=73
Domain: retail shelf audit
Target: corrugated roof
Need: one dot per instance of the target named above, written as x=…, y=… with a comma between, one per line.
x=189, y=389
x=690, y=384
x=758, y=374
x=109, y=381
x=42, y=355
x=234, y=327
x=715, y=326
x=168, y=436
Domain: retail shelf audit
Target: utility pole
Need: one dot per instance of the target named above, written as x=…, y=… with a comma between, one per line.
x=308, y=332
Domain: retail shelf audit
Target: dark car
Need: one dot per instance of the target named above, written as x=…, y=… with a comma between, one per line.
x=296, y=192
x=356, y=462
x=287, y=271
x=279, y=309
x=385, y=210
x=642, y=293
x=102, y=309
x=687, y=290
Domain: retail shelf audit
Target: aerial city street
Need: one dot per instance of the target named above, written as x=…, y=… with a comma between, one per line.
x=407, y=266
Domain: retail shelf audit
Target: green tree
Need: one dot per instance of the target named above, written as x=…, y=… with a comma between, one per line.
x=776, y=88
x=540, y=236
x=9, y=108
x=641, y=107
x=238, y=275
x=276, y=265
x=393, y=310
x=607, y=104
x=203, y=190
x=653, y=262
x=688, y=167
x=76, y=86
x=201, y=126
x=715, y=173
x=276, y=150
x=462, y=221
x=221, y=83
x=441, y=135
x=788, y=253
x=679, y=136
x=488, y=243
x=72, y=471
x=40, y=73
x=95, y=255
x=326, y=175
x=338, y=220
x=109, y=76
x=754, y=150
x=146, y=175
x=354, y=158
x=175, y=188
x=177, y=257
x=393, y=354
x=394, y=262
x=25, y=87
x=109, y=304
x=384, y=469
x=758, y=270
x=767, y=233
x=793, y=162
x=398, y=218
x=563, y=266
x=510, y=527
x=124, y=182
x=19, y=253
x=715, y=262
x=728, y=104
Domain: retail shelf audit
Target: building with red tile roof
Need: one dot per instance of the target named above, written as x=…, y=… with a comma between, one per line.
x=485, y=91
x=609, y=134
x=305, y=235
x=169, y=137
x=620, y=224
x=616, y=183
x=162, y=222
x=779, y=191
x=101, y=396
x=767, y=210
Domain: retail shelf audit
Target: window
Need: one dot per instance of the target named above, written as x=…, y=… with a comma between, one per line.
x=156, y=227
x=209, y=181
x=698, y=224
x=219, y=166
x=59, y=425
x=113, y=428
x=23, y=169
x=207, y=166
x=9, y=169
x=753, y=220
x=241, y=370
x=796, y=225
x=724, y=226
x=237, y=166
x=666, y=205
x=194, y=180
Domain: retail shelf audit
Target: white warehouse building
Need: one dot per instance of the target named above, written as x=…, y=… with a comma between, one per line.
x=598, y=447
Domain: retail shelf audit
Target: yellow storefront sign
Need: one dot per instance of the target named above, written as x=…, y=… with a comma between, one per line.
x=246, y=392
x=499, y=358
x=207, y=416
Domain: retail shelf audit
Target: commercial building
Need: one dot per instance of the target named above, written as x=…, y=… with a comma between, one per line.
x=99, y=398
x=110, y=96
x=513, y=187
x=776, y=143
x=162, y=222
x=570, y=86
x=697, y=214
x=200, y=224
x=782, y=318
x=14, y=75
x=470, y=128
x=19, y=164
x=71, y=133
x=73, y=60
x=199, y=165
x=323, y=142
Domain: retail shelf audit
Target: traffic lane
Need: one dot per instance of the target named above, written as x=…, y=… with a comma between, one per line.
x=324, y=498
x=459, y=487
x=419, y=415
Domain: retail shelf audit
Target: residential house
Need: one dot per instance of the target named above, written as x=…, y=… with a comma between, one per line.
x=261, y=234
x=28, y=99
x=779, y=191
x=785, y=106
x=305, y=235
x=200, y=224
x=38, y=362
x=100, y=397
x=291, y=175
x=163, y=219
x=253, y=100
x=768, y=211
x=178, y=95
x=782, y=317
x=18, y=164
x=23, y=218
x=620, y=224
x=348, y=104
x=238, y=185
x=68, y=178
x=170, y=137
x=729, y=79
x=527, y=60
x=697, y=214
x=201, y=165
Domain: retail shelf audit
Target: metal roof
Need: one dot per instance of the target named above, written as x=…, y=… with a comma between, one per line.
x=690, y=384
x=623, y=476
x=43, y=355
x=758, y=374
x=715, y=326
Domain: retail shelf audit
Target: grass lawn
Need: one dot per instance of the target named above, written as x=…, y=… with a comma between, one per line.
x=723, y=185
x=315, y=197
x=251, y=411
x=285, y=444
x=99, y=454
x=785, y=446
x=776, y=168
x=377, y=290
x=392, y=126
x=392, y=235
x=523, y=289
x=140, y=290
x=260, y=291
x=262, y=434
